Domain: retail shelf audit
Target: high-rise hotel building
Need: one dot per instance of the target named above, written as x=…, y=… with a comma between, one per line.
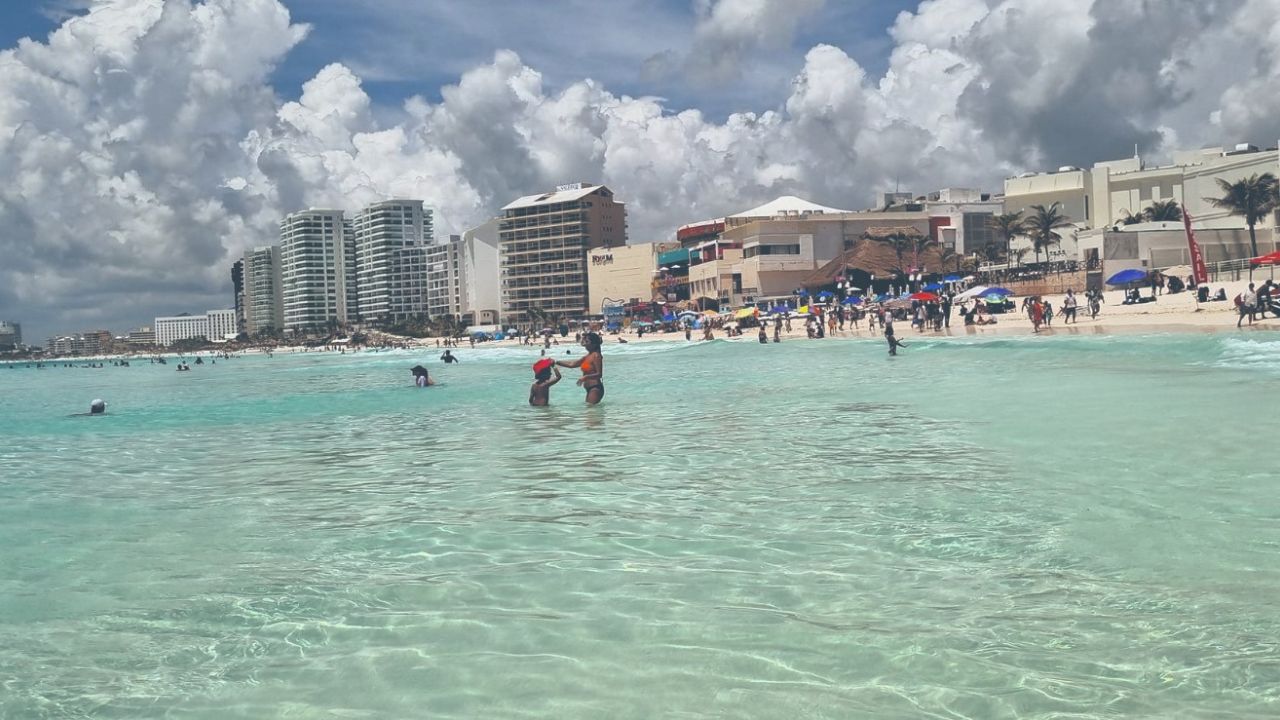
x=390, y=241
x=263, y=300
x=313, y=247
x=544, y=241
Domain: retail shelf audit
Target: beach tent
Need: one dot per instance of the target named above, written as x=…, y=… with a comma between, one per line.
x=1127, y=277
x=853, y=301
x=951, y=278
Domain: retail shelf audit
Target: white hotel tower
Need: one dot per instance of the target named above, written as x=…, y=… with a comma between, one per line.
x=390, y=240
x=313, y=249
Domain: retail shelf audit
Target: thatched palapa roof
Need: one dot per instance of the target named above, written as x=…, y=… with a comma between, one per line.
x=870, y=255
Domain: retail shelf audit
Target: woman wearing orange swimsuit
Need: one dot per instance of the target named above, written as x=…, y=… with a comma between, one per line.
x=592, y=366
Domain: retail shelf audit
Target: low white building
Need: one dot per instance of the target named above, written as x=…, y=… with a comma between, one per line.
x=170, y=330
x=221, y=325
x=215, y=325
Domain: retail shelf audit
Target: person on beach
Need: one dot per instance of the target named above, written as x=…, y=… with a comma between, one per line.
x=1069, y=308
x=540, y=391
x=1265, y=293
x=1048, y=314
x=763, y=335
x=420, y=376
x=1037, y=314
x=592, y=367
x=1247, y=302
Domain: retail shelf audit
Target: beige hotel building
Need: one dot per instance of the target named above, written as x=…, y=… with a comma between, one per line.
x=544, y=241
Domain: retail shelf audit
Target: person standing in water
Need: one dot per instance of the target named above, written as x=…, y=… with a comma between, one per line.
x=540, y=391
x=448, y=357
x=894, y=344
x=592, y=367
x=420, y=376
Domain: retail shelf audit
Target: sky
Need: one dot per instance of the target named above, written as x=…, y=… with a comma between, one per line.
x=145, y=144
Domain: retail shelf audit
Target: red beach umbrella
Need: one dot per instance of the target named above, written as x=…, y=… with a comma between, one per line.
x=1269, y=259
x=925, y=296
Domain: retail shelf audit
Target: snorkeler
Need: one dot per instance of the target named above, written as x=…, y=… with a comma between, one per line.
x=540, y=391
x=592, y=366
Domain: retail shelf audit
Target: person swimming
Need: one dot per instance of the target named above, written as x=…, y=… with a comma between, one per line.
x=421, y=377
x=592, y=367
x=540, y=391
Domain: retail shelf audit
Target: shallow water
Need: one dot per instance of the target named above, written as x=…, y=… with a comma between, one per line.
x=1011, y=528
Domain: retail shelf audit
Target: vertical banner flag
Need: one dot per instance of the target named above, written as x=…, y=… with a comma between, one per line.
x=1197, y=258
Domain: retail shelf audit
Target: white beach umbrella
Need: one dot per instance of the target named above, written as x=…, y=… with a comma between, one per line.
x=972, y=292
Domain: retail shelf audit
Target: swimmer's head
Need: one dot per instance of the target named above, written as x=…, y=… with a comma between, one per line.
x=542, y=369
x=97, y=407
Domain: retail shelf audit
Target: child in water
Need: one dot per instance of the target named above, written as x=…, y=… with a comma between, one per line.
x=540, y=391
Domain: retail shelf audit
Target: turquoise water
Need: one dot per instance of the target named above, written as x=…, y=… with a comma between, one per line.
x=1003, y=528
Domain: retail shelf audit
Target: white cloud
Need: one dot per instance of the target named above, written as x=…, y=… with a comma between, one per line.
x=144, y=148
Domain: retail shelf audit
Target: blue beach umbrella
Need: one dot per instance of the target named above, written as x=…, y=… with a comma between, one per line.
x=853, y=301
x=882, y=297
x=802, y=292
x=779, y=310
x=1125, y=277
x=824, y=294
x=995, y=291
x=933, y=287
x=951, y=278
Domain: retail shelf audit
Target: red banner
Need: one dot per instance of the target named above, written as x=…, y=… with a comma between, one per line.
x=1197, y=258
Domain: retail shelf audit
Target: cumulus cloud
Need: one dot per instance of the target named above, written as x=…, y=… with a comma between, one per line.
x=144, y=148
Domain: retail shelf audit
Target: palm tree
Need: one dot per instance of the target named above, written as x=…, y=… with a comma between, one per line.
x=1008, y=226
x=1042, y=227
x=919, y=245
x=947, y=256
x=901, y=243
x=1163, y=211
x=1131, y=219
x=993, y=251
x=1253, y=198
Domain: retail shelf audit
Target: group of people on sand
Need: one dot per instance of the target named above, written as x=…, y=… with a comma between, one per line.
x=546, y=373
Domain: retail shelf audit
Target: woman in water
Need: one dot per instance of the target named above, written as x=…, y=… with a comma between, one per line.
x=592, y=366
x=540, y=392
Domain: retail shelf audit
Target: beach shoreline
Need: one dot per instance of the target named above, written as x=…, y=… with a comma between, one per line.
x=1169, y=314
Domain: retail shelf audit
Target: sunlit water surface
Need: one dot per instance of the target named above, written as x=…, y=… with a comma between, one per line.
x=992, y=528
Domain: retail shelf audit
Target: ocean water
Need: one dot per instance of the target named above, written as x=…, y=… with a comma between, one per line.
x=1025, y=527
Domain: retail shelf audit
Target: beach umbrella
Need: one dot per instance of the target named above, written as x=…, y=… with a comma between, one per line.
x=882, y=297
x=995, y=291
x=933, y=287
x=824, y=294
x=1268, y=259
x=924, y=296
x=1126, y=277
x=951, y=278
x=972, y=292
x=853, y=301
x=802, y=292
x=779, y=310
